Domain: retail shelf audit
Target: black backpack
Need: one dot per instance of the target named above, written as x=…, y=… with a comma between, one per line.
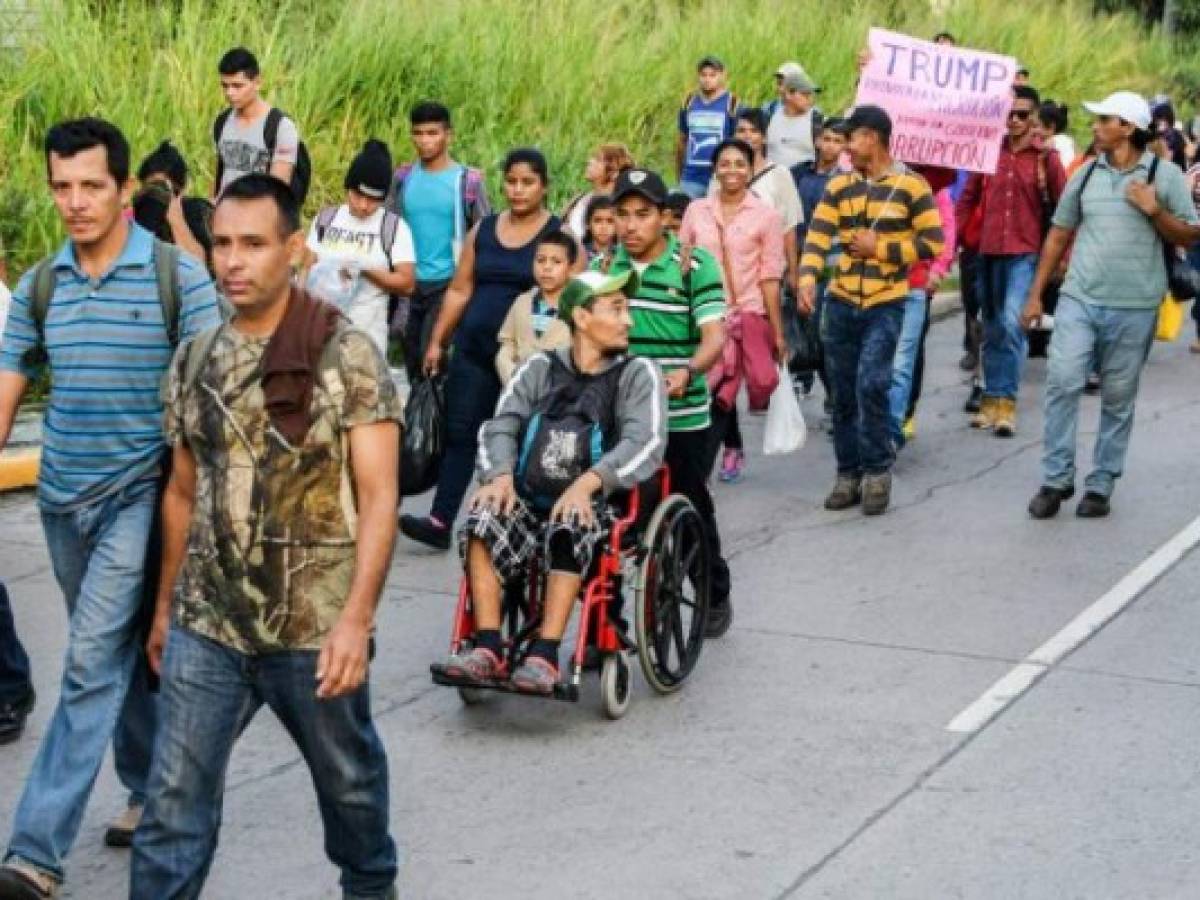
x=301, y=173
x=573, y=425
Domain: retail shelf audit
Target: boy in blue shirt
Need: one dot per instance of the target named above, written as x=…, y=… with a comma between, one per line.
x=707, y=117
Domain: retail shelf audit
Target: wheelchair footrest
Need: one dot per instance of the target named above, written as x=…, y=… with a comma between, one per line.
x=564, y=691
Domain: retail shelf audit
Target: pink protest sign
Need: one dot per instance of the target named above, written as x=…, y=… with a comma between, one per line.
x=949, y=106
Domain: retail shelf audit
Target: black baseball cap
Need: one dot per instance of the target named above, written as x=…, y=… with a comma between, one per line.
x=642, y=182
x=710, y=61
x=873, y=118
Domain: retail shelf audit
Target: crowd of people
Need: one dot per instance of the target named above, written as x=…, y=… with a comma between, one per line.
x=219, y=482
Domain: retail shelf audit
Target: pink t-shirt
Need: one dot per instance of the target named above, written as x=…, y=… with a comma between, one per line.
x=749, y=247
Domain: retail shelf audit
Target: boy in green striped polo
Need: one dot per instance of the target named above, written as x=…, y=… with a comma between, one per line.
x=677, y=321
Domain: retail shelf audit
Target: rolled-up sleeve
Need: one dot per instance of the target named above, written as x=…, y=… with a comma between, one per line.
x=20, y=334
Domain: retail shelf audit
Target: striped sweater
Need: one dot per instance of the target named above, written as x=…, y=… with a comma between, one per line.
x=900, y=208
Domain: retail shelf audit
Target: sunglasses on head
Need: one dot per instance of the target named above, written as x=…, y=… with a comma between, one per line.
x=1021, y=114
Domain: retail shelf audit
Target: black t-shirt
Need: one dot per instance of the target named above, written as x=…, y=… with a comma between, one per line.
x=150, y=211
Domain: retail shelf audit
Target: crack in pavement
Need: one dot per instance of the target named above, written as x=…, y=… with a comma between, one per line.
x=883, y=645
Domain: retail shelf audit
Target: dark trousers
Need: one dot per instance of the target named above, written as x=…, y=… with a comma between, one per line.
x=860, y=348
x=968, y=265
x=472, y=389
x=689, y=459
x=423, y=309
x=14, y=662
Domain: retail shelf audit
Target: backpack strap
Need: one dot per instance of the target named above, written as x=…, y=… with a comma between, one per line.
x=275, y=115
x=388, y=228
x=41, y=292
x=218, y=128
x=199, y=349
x=324, y=219
x=170, y=294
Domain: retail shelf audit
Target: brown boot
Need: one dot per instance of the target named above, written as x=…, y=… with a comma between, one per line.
x=986, y=417
x=847, y=492
x=1004, y=423
x=877, y=493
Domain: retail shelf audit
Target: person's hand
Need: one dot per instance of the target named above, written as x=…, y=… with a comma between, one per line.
x=175, y=211
x=499, y=496
x=1142, y=196
x=863, y=244
x=342, y=663
x=1031, y=315
x=676, y=382
x=806, y=299
x=575, y=503
x=157, y=641
x=434, y=358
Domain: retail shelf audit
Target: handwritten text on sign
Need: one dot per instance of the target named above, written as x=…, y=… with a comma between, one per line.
x=949, y=106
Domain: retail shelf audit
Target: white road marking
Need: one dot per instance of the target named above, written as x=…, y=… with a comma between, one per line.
x=1026, y=673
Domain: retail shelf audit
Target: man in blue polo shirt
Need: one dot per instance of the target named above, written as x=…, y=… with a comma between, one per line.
x=107, y=341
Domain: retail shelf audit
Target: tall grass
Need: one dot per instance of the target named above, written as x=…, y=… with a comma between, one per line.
x=560, y=74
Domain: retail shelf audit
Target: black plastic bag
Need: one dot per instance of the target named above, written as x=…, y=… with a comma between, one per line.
x=803, y=341
x=424, y=441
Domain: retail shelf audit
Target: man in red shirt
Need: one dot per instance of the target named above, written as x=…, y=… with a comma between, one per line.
x=1017, y=203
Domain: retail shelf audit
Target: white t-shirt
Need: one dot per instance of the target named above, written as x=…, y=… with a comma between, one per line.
x=790, y=139
x=1065, y=145
x=347, y=247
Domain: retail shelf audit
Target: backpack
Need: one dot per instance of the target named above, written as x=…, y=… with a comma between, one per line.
x=301, y=172
x=571, y=428
x=166, y=274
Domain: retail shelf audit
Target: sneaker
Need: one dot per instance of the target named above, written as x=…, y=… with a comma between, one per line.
x=13, y=715
x=909, y=428
x=425, y=531
x=477, y=664
x=1004, y=422
x=720, y=617
x=1092, y=386
x=876, y=493
x=847, y=492
x=985, y=416
x=1092, y=506
x=975, y=399
x=535, y=676
x=120, y=831
x=1047, y=500
x=21, y=881
x=732, y=465
x=969, y=361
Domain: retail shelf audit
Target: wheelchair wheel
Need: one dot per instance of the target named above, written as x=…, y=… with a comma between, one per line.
x=615, y=683
x=672, y=594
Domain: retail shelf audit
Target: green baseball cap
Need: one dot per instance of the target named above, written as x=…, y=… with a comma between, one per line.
x=587, y=286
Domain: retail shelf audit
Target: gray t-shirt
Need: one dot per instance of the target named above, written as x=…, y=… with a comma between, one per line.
x=1117, y=260
x=790, y=139
x=243, y=147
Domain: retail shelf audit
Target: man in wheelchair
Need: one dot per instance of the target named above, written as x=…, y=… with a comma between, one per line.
x=571, y=428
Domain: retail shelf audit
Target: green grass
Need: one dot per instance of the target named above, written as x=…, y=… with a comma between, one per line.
x=560, y=74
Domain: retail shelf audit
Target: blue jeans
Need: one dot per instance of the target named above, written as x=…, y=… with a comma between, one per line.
x=1003, y=286
x=905, y=362
x=1084, y=334
x=860, y=345
x=14, y=663
x=694, y=188
x=472, y=389
x=210, y=693
x=98, y=553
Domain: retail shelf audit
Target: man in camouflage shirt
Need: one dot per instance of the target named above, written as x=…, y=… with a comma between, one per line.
x=280, y=535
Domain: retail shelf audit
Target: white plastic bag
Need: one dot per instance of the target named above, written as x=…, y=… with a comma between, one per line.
x=335, y=281
x=785, y=429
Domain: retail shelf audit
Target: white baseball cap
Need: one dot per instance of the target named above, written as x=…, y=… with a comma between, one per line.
x=1125, y=105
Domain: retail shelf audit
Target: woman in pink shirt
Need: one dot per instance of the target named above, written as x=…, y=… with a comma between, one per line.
x=745, y=234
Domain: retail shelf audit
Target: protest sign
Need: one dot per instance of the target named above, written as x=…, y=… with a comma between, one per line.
x=949, y=105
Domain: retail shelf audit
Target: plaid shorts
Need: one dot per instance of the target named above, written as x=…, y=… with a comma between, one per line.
x=514, y=540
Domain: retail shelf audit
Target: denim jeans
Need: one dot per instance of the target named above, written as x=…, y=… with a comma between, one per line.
x=14, y=663
x=99, y=554
x=1084, y=334
x=472, y=389
x=1003, y=286
x=210, y=693
x=860, y=346
x=904, y=365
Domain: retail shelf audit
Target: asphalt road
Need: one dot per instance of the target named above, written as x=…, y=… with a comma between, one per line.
x=809, y=755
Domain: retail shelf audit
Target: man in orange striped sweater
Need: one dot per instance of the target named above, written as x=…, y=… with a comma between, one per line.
x=883, y=217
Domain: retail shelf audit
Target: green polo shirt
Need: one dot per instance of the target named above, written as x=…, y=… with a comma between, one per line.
x=668, y=312
x=1117, y=259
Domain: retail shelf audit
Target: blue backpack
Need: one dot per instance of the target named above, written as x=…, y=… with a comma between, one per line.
x=571, y=428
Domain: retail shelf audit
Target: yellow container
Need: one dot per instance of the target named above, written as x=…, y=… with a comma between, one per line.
x=19, y=469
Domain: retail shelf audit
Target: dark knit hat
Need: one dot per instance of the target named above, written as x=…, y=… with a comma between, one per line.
x=371, y=171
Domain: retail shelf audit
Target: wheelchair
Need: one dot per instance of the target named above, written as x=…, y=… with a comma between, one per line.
x=658, y=545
